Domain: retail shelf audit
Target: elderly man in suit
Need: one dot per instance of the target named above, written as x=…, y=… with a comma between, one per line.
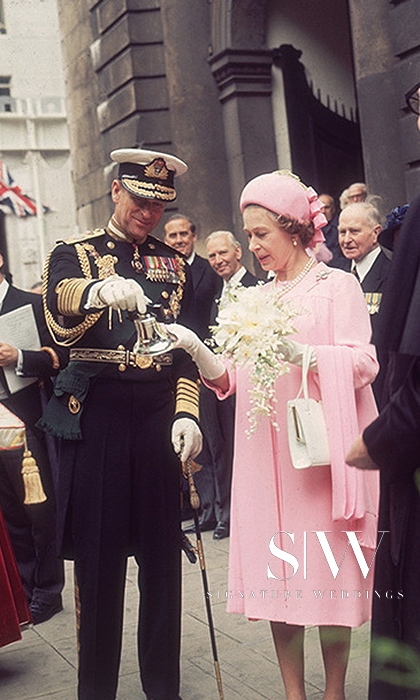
x=224, y=254
x=217, y=417
x=359, y=226
x=181, y=234
x=32, y=528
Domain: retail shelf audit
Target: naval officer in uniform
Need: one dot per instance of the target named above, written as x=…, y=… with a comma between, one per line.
x=124, y=422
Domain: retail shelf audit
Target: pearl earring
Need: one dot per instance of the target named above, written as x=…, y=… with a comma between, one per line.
x=294, y=241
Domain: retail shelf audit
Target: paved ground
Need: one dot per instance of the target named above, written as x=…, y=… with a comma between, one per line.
x=43, y=664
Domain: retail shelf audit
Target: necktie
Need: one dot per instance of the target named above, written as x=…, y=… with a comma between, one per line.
x=355, y=273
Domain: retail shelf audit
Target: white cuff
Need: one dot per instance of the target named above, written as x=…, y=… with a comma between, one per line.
x=19, y=364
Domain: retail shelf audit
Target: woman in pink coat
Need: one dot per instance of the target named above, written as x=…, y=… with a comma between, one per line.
x=302, y=541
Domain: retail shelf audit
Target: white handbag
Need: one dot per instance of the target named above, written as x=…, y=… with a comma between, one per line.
x=306, y=429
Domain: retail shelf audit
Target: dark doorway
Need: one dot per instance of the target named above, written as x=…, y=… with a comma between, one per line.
x=325, y=146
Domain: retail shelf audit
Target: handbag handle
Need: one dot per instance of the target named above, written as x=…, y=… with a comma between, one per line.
x=306, y=360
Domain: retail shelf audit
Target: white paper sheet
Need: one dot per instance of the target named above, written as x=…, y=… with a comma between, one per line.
x=18, y=328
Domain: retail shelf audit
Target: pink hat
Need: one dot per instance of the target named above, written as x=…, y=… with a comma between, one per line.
x=283, y=193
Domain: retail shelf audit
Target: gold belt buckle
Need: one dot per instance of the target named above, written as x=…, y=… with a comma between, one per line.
x=143, y=362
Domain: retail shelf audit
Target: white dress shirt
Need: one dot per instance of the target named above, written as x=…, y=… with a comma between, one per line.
x=231, y=284
x=363, y=266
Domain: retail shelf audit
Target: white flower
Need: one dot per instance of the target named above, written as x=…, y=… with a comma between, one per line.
x=251, y=328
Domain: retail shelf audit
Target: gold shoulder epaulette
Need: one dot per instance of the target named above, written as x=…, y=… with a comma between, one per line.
x=86, y=236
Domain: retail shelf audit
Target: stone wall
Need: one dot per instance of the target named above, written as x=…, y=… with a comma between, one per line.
x=386, y=46
x=193, y=77
x=138, y=74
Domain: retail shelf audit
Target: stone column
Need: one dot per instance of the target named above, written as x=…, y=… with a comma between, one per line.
x=196, y=115
x=244, y=81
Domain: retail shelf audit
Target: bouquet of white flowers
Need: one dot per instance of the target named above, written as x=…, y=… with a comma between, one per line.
x=251, y=329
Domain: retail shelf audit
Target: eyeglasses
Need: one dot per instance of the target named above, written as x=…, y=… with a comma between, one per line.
x=413, y=100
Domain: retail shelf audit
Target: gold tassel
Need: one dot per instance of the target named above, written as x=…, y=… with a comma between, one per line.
x=34, y=492
x=189, y=468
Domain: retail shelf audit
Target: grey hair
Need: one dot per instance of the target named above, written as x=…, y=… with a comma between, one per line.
x=343, y=199
x=228, y=234
x=371, y=212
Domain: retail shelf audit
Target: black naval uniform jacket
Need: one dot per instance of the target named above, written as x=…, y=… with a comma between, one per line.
x=71, y=269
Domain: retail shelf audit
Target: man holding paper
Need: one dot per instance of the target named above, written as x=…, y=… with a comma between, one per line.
x=24, y=370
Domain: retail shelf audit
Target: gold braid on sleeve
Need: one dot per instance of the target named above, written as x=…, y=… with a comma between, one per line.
x=69, y=291
x=187, y=395
x=69, y=295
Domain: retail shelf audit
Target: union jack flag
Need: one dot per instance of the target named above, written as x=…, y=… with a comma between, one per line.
x=12, y=198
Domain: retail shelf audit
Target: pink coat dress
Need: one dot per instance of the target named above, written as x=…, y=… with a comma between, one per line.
x=279, y=568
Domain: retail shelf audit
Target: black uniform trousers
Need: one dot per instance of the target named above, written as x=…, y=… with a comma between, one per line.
x=122, y=482
x=31, y=527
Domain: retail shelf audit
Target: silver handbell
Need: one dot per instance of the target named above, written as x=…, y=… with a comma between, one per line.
x=152, y=336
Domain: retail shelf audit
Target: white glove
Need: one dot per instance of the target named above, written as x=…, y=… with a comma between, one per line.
x=207, y=362
x=292, y=352
x=186, y=437
x=118, y=293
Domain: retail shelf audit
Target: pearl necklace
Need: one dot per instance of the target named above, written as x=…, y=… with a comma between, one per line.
x=292, y=283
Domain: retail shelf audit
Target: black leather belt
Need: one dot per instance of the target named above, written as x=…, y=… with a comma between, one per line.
x=121, y=357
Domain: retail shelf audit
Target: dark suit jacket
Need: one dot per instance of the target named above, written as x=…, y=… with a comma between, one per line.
x=248, y=280
x=206, y=286
x=374, y=281
x=26, y=403
x=376, y=277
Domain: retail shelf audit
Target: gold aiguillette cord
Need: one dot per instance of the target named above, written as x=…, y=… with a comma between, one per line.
x=110, y=317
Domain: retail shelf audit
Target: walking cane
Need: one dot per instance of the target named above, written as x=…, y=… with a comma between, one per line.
x=189, y=467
